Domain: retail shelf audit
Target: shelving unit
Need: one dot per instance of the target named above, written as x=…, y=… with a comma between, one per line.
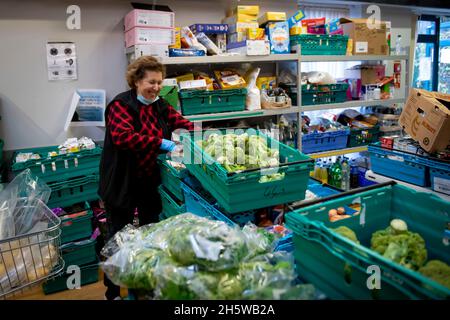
x=340, y=152
x=298, y=109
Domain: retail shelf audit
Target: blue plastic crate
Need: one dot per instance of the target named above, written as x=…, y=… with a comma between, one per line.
x=318, y=142
x=439, y=174
x=398, y=165
x=362, y=181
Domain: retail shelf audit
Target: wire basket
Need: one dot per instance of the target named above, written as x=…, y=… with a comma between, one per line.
x=28, y=259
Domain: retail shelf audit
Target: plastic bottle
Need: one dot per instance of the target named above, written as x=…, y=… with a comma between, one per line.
x=318, y=170
x=345, y=183
x=324, y=172
x=354, y=173
x=398, y=45
x=336, y=174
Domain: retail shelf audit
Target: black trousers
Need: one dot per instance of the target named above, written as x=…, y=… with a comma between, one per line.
x=147, y=201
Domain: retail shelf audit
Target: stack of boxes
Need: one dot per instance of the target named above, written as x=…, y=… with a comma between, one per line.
x=149, y=32
x=72, y=176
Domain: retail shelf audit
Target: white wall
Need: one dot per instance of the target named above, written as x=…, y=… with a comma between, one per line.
x=34, y=110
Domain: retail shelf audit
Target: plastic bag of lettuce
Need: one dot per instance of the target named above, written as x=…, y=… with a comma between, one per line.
x=190, y=257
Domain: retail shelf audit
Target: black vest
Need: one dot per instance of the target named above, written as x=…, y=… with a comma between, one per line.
x=118, y=167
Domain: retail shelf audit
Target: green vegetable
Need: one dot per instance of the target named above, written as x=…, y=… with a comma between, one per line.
x=405, y=247
x=347, y=232
x=398, y=226
x=438, y=271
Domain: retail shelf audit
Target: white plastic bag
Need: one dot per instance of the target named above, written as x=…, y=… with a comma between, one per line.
x=253, y=100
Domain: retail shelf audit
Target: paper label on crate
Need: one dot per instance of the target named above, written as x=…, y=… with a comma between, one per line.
x=441, y=185
x=362, y=215
x=154, y=20
x=396, y=158
x=361, y=47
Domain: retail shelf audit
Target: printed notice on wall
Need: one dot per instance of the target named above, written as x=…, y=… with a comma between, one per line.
x=87, y=108
x=61, y=61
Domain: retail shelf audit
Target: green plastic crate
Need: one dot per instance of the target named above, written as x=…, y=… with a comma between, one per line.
x=61, y=167
x=203, y=102
x=89, y=274
x=79, y=252
x=320, y=44
x=363, y=137
x=338, y=267
x=170, y=206
x=171, y=177
x=75, y=226
x=321, y=94
x=242, y=191
x=69, y=192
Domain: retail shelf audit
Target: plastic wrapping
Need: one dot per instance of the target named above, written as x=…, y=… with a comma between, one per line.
x=190, y=257
x=20, y=204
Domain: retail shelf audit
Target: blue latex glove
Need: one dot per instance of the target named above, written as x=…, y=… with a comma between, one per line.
x=167, y=145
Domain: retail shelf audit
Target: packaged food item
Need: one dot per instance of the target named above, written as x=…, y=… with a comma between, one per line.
x=248, y=10
x=242, y=26
x=271, y=17
x=186, y=52
x=256, y=34
x=278, y=33
x=191, y=39
x=177, y=43
x=193, y=85
x=266, y=82
x=185, y=77
x=210, y=46
x=230, y=79
x=296, y=18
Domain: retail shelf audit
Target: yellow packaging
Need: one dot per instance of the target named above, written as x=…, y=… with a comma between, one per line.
x=255, y=34
x=265, y=82
x=349, y=47
x=177, y=44
x=185, y=77
x=229, y=79
x=272, y=16
x=249, y=10
x=240, y=17
x=296, y=30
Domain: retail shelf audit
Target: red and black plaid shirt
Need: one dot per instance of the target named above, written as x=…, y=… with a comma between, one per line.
x=145, y=143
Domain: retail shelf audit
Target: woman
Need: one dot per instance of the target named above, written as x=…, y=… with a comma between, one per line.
x=139, y=125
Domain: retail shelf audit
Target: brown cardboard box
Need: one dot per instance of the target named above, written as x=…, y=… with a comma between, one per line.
x=365, y=40
x=426, y=118
x=369, y=74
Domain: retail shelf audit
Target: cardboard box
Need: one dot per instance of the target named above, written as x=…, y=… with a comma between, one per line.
x=426, y=118
x=239, y=18
x=272, y=17
x=139, y=35
x=242, y=26
x=156, y=50
x=177, y=43
x=296, y=18
x=369, y=74
x=278, y=33
x=250, y=47
x=249, y=10
x=216, y=28
x=256, y=34
x=237, y=37
x=365, y=41
x=149, y=18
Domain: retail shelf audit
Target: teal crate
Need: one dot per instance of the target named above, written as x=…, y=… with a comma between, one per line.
x=205, y=102
x=79, y=252
x=72, y=191
x=61, y=167
x=242, y=191
x=339, y=267
x=88, y=273
x=77, y=225
x=171, y=177
x=322, y=94
x=320, y=44
x=170, y=206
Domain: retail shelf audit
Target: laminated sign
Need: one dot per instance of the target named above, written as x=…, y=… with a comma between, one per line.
x=87, y=108
x=61, y=61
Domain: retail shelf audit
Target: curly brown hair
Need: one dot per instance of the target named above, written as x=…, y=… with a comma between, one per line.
x=136, y=70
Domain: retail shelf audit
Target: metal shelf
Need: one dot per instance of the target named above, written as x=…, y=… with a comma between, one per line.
x=372, y=176
x=229, y=59
x=352, y=104
x=324, y=58
x=340, y=152
x=242, y=114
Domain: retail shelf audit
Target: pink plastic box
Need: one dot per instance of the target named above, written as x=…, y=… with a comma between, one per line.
x=139, y=35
